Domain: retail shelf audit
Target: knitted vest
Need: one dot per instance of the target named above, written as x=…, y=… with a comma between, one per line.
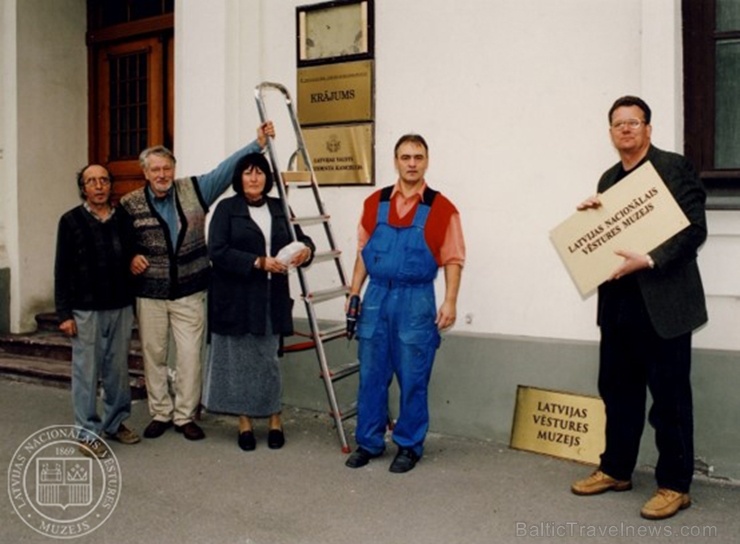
x=176, y=268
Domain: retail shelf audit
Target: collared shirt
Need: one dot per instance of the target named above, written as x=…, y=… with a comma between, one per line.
x=443, y=230
x=96, y=216
x=166, y=208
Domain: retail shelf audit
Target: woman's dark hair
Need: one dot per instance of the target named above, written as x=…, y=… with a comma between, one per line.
x=253, y=159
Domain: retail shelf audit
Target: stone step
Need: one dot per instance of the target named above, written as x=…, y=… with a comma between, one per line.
x=49, y=322
x=55, y=346
x=55, y=372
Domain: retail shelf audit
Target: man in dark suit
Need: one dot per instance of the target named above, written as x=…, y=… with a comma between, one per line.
x=647, y=311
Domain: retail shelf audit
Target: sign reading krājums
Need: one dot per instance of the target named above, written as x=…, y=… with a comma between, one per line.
x=335, y=93
x=637, y=214
x=559, y=424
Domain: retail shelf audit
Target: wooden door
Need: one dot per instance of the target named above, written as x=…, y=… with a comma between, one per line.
x=132, y=105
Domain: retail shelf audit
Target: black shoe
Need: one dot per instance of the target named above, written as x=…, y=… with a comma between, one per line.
x=247, y=441
x=404, y=461
x=191, y=431
x=360, y=457
x=275, y=439
x=156, y=428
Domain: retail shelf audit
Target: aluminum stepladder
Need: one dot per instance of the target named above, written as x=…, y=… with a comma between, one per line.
x=301, y=174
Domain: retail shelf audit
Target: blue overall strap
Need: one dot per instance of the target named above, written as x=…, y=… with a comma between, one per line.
x=385, y=204
x=424, y=207
x=422, y=211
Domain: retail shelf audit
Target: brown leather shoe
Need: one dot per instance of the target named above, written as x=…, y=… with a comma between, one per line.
x=95, y=449
x=156, y=428
x=124, y=435
x=599, y=482
x=665, y=503
x=191, y=431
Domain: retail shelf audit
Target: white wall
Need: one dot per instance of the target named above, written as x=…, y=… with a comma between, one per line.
x=512, y=96
x=51, y=129
x=7, y=122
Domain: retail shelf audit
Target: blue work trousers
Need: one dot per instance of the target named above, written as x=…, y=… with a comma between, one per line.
x=397, y=336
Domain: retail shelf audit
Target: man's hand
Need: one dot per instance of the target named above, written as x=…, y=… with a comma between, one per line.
x=590, y=203
x=263, y=131
x=446, y=315
x=138, y=264
x=68, y=327
x=633, y=262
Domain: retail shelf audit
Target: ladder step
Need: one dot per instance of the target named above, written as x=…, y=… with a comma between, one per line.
x=342, y=372
x=327, y=294
x=322, y=256
x=310, y=220
x=339, y=331
x=297, y=176
x=346, y=413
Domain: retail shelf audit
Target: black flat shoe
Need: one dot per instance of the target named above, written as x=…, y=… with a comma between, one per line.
x=275, y=439
x=247, y=441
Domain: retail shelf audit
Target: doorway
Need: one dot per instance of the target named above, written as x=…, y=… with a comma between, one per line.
x=131, y=74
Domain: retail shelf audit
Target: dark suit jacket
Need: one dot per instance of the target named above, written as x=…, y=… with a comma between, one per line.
x=238, y=295
x=672, y=291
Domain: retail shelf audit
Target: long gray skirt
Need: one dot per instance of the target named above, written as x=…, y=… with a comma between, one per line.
x=243, y=375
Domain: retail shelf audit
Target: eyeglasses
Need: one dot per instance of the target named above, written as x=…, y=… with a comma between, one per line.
x=95, y=181
x=629, y=123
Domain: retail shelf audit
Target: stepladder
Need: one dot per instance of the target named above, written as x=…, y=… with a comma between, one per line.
x=323, y=284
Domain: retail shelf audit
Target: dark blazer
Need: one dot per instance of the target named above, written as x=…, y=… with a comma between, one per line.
x=238, y=294
x=672, y=291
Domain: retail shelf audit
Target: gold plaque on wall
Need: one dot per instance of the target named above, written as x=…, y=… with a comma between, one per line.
x=559, y=424
x=335, y=93
x=341, y=155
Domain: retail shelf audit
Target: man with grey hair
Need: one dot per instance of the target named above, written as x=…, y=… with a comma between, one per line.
x=171, y=267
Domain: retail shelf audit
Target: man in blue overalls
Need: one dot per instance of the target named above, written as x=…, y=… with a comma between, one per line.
x=406, y=233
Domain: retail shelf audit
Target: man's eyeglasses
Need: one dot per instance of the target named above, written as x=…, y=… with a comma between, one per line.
x=95, y=181
x=629, y=123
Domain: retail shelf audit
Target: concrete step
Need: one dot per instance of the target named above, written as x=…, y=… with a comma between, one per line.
x=49, y=322
x=55, y=372
x=46, y=355
x=55, y=346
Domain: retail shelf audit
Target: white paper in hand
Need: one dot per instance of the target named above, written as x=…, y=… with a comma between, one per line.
x=287, y=253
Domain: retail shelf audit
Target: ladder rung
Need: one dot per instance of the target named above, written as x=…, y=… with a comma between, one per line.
x=346, y=413
x=310, y=220
x=327, y=294
x=339, y=331
x=321, y=256
x=342, y=372
x=297, y=176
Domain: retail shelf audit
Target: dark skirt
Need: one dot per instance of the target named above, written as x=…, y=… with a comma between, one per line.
x=243, y=375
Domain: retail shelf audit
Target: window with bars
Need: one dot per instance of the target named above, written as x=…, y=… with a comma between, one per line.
x=129, y=104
